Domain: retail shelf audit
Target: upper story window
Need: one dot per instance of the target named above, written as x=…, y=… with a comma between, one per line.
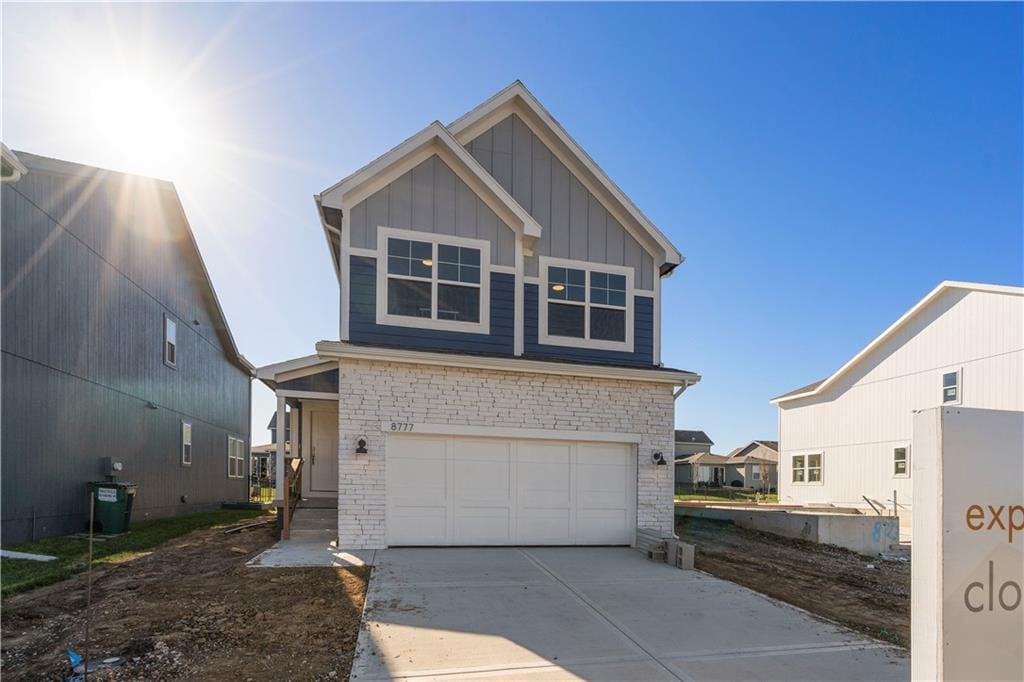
x=170, y=342
x=586, y=305
x=432, y=281
x=807, y=468
x=951, y=388
x=186, y=444
x=901, y=462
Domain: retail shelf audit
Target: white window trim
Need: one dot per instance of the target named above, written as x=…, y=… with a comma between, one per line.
x=240, y=457
x=184, y=462
x=481, y=327
x=804, y=454
x=172, y=364
x=542, y=304
x=894, y=448
x=959, y=385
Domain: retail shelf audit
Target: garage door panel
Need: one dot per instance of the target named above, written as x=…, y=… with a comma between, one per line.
x=482, y=526
x=544, y=527
x=602, y=526
x=409, y=525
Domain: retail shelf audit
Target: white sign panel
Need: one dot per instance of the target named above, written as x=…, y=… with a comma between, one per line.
x=968, y=545
x=106, y=494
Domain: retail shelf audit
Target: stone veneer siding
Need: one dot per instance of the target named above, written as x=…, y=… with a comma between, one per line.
x=372, y=391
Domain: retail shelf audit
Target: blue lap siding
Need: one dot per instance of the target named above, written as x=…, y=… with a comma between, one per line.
x=363, y=327
x=643, y=337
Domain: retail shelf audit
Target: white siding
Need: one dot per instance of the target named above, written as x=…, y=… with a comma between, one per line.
x=858, y=421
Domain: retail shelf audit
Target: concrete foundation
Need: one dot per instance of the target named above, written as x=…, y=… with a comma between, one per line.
x=857, y=532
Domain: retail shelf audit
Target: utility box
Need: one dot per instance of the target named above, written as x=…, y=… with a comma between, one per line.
x=967, y=589
x=113, y=506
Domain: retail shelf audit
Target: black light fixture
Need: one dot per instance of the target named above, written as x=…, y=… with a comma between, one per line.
x=361, y=446
x=151, y=405
x=658, y=459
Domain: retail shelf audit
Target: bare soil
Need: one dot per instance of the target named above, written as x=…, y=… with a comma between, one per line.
x=191, y=609
x=868, y=594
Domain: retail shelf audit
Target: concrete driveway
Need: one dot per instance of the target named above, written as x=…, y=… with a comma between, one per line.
x=591, y=613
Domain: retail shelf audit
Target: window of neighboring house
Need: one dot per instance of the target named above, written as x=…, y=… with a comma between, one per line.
x=951, y=387
x=186, y=444
x=236, y=457
x=170, y=342
x=433, y=281
x=586, y=304
x=756, y=474
x=807, y=468
x=901, y=462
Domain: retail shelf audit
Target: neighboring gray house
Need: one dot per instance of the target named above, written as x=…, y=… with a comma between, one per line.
x=754, y=465
x=691, y=443
x=114, y=345
x=498, y=376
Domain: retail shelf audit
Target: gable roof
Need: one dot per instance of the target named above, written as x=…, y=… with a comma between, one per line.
x=516, y=98
x=190, y=249
x=434, y=139
x=683, y=436
x=272, y=424
x=819, y=387
x=703, y=458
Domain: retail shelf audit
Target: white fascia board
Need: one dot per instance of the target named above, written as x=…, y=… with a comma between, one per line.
x=896, y=326
x=330, y=350
x=271, y=371
x=435, y=133
x=464, y=129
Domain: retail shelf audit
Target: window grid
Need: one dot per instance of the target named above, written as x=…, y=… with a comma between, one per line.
x=588, y=289
x=807, y=468
x=453, y=272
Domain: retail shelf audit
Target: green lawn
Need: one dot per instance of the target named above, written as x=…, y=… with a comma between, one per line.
x=733, y=494
x=19, y=575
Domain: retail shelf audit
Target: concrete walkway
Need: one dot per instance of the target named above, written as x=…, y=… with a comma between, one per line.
x=591, y=613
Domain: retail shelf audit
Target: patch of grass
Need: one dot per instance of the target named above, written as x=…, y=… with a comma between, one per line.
x=19, y=575
x=731, y=494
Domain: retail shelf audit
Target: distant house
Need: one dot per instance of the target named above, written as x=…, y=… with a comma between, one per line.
x=114, y=346
x=754, y=465
x=849, y=438
x=703, y=468
x=287, y=427
x=692, y=443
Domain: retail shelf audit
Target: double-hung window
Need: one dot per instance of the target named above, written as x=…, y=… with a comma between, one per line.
x=951, y=388
x=807, y=468
x=170, y=342
x=901, y=462
x=432, y=281
x=186, y=444
x=236, y=457
x=586, y=305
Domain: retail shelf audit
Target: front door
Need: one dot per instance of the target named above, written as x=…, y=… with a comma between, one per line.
x=323, y=451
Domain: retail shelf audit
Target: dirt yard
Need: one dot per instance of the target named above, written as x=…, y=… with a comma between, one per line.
x=190, y=609
x=867, y=594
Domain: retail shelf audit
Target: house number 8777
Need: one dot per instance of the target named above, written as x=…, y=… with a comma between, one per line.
x=401, y=426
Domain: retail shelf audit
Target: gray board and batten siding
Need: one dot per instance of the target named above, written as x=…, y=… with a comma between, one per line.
x=575, y=224
x=92, y=262
x=431, y=198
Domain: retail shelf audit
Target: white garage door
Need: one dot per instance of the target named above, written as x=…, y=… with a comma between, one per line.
x=482, y=491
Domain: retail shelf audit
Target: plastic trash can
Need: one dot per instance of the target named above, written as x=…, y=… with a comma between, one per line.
x=113, y=512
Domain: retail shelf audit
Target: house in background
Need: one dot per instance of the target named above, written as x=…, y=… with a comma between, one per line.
x=691, y=443
x=701, y=469
x=113, y=346
x=498, y=378
x=850, y=436
x=754, y=465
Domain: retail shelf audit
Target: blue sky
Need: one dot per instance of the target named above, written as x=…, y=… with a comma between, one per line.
x=822, y=167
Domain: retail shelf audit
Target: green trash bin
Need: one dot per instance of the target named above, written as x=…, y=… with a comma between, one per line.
x=113, y=511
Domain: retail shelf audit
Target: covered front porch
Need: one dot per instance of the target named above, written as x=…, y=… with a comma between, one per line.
x=306, y=452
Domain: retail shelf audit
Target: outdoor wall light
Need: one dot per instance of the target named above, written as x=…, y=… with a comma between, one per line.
x=361, y=446
x=153, y=406
x=658, y=459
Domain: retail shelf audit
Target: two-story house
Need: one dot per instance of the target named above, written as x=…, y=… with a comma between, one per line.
x=114, y=347
x=498, y=378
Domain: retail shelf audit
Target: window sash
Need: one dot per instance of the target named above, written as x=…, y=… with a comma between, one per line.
x=901, y=461
x=186, y=443
x=607, y=281
x=807, y=468
x=236, y=457
x=469, y=265
x=170, y=342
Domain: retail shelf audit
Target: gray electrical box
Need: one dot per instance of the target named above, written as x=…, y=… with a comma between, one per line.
x=112, y=468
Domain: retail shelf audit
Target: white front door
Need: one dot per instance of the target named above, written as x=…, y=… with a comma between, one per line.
x=323, y=450
x=489, y=491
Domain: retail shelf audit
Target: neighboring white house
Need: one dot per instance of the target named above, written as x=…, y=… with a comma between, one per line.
x=497, y=379
x=848, y=438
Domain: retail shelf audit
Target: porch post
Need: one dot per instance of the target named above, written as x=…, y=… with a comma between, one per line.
x=279, y=473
